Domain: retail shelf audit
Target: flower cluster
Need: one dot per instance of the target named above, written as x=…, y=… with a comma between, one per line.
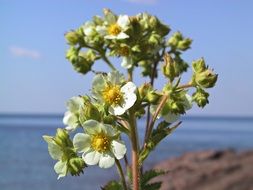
x=100, y=119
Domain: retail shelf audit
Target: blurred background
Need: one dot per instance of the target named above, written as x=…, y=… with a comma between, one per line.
x=36, y=80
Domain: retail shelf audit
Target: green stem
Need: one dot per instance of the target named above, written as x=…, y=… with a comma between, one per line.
x=108, y=61
x=121, y=174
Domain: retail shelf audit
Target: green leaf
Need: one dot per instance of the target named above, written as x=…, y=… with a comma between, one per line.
x=149, y=175
x=112, y=185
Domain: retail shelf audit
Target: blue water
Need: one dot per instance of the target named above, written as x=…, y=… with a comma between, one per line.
x=25, y=163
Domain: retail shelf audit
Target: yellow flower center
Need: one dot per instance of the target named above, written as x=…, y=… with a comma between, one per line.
x=100, y=143
x=114, y=29
x=112, y=94
x=123, y=51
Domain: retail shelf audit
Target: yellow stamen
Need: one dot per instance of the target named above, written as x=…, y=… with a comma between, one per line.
x=112, y=94
x=100, y=143
x=114, y=29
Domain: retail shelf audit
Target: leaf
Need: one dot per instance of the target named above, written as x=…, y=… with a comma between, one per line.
x=112, y=185
x=149, y=175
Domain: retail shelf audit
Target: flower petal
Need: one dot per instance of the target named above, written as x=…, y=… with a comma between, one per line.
x=101, y=30
x=118, y=149
x=122, y=36
x=71, y=120
x=74, y=103
x=116, y=110
x=123, y=21
x=92, y=127
x=115, y=77
x=82, y=142
x=129, y=87
x=127, y=62
x=109, y=130
x=61, y=168
x=171, y=118
x=53, y=149
x=91, y=157
x=188, y=102
x=106, y=161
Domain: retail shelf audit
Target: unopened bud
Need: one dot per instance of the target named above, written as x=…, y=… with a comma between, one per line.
x=174, y=39
x=72, y=54
x=200, y=97
x=72, y=37
x=75, y=166
x=199, y=65
x=206, y=79
x=168, y=67
x=184, y=44
x=89, y=111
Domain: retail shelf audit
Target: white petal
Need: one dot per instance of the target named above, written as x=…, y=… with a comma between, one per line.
x=171, y=118
x=122, y=36
x=129, y=87
x=109, y=130
x=91, y=157
x=129, y=100
x=74, y=103
x=54, y=149
x=61, y=169
x=115, y=77
x=70, y=120
x=106, y=161
x=116, y=110
x=127, y=62
x=82, y=142
x=118, y=149
x=188, y=102
x=123, y=21
x=101, y=30
x=92, y=127
x=110, y=37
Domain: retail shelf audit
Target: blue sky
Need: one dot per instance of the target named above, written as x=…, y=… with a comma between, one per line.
x=36, y=78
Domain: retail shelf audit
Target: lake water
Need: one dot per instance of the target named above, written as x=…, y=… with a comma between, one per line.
x=25, y=162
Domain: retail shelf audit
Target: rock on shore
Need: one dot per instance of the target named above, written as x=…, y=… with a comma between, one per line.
x=208, y=170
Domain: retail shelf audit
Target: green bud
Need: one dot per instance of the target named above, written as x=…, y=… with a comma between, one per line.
x=154, y=39
x=200, y=97
x=72, y=37
x=205, y=79
x=177, y=107
x=89, y=111
x=109, y=119
x=97, y=20
x=72, y=54
x=153, y=21
x=168, y=67
x=199, y=65
x=184, y=44
x=143, y=90
x=174, y=39
x=153, y=97
x=62, y=138
x=75, y=166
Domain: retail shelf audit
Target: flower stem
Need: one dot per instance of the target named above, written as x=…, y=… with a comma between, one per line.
x=121, y=173
x=135, y=154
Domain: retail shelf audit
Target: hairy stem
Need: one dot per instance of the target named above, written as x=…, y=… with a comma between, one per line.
x=189, y=85
x=121, y=174
x=135, y=153
x=152, y=121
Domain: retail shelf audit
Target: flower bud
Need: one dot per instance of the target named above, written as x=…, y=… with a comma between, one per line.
x=72, y=37
x=154, y=39
x=174, y=39
x=199, y=65
x=206, y=79
x=184, y=44
x=168, y=67
x=200, y=97
x=143, y=90
x=72, y=54
x=89, y=111
x=152, y=97
x=75, y=166
x=62, y=138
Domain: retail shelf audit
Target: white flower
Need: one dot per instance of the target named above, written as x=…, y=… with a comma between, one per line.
x=109, y=90
x=171, y=117
x=71, y=117
x=91, y=30
x=127, y=62
x=116, y=30
x=99, y=144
